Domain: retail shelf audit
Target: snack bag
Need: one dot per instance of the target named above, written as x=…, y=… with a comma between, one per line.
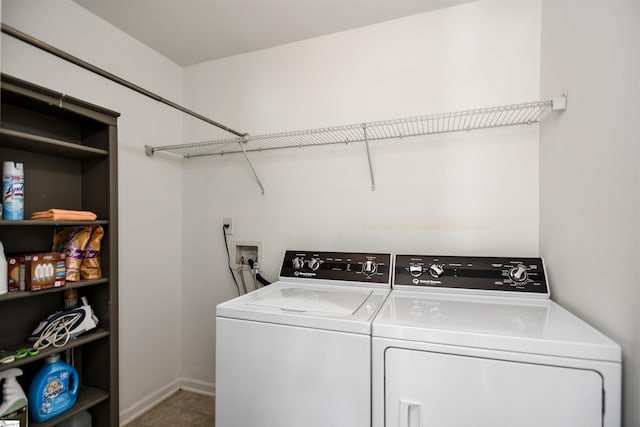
x=71, y=241
x=90, y=267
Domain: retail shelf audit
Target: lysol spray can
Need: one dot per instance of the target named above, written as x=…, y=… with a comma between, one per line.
x=12, y=191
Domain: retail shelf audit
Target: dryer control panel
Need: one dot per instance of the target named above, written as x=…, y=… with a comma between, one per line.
x=521, y=275
x=343, y=266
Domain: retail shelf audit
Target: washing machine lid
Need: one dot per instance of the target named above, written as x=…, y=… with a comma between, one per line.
x=511, y=324
x=303, y=299
x=331, y=307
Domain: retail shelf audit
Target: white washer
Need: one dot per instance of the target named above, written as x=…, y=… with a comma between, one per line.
x=298, y=352
x=476, y=341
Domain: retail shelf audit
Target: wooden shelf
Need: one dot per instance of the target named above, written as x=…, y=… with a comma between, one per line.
x=87, y=398
x=68, y=285
x=41, y=144
x=69, y=151
x=49, y=223
x=76, y=342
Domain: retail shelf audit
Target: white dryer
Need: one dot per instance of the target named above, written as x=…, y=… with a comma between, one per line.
x=476, y=341
x=297, y=353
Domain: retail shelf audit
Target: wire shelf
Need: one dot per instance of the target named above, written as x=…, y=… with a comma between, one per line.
x=482, y=118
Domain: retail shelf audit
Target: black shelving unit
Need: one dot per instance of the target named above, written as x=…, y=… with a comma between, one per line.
x=69, y=151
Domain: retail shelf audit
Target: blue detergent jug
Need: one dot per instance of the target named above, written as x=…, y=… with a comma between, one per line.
x=54, y=389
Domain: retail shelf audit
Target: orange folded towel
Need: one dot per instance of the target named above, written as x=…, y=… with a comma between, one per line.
x=64, y=215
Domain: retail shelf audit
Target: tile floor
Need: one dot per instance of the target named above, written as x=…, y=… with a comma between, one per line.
x=183, y=408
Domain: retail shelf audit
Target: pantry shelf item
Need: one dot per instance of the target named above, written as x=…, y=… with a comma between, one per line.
x=64, y=215
x=467, y=120
x=69, y=151
x=54, y=389
x=13, y=405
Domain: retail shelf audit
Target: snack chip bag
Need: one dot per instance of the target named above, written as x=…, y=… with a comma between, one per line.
x=90, y=267
x=71, y=241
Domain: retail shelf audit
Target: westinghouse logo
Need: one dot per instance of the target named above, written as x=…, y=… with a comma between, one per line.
x=303, y=274
x=426, y=282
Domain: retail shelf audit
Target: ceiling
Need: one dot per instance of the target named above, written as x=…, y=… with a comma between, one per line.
x=193, y=31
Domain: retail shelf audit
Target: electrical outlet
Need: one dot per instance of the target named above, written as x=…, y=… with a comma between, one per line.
x=227, y=222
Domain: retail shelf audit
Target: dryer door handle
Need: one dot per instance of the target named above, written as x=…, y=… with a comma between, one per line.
x=410, y=414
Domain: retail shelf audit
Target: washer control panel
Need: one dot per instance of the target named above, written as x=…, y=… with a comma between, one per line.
x=524, y=275
x=343, y=266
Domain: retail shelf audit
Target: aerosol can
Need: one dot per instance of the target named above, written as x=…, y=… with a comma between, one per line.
x=12, y=190
x=13, y=409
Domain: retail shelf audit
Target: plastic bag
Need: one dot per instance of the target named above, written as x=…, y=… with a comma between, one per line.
x=90, y=267
x=72, y=242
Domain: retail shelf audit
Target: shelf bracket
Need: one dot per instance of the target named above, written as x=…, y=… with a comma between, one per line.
x=241, y=142
x=366, y=144
x=559, y=103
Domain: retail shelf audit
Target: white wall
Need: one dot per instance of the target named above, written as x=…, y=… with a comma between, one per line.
x=150, y=215
x=589, y=179
x=471, y=193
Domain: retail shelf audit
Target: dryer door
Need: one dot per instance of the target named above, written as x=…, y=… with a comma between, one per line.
x=424, y=389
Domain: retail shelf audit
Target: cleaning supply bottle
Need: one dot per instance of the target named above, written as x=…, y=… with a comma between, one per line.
x=14, y=402
x=12, y=191
x=4, y=278
x=54, y=389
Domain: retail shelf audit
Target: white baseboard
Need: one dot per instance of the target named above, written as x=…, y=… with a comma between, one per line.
x=143, y=405
x=197, y=386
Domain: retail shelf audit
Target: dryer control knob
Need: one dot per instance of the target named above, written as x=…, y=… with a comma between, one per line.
x=415, y=270
x=518, y=273
x=298, y=263
x=314, y=264
x=369, y=268
x=436, y=270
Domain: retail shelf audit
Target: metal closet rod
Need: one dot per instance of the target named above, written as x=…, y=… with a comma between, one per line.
x=107, y=75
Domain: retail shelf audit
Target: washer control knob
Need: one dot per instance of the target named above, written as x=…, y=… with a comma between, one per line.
x=298, y=263
x=415, y=270
x=369, y=268
x=518, y=273
x=314, y=264
x=436, y=270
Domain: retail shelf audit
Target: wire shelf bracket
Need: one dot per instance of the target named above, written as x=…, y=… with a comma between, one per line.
x=467, y=120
